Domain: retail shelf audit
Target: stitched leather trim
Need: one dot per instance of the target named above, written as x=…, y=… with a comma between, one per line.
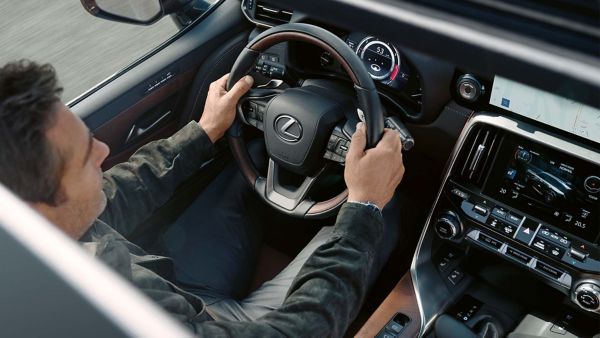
x=328, y=205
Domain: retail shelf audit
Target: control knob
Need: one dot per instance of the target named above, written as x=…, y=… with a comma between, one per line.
x=448, y=225
x=469, y=88
x=592, y=184
x=587, y=296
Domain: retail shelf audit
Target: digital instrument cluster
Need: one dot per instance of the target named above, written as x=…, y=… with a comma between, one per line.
x=381, y=59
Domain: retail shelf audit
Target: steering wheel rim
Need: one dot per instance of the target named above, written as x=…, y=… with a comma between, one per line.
x=369, y=105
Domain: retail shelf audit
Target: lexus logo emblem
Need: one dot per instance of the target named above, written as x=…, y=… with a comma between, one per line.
x=288, y=128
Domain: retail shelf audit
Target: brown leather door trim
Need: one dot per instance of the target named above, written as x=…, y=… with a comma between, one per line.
x=115, y=131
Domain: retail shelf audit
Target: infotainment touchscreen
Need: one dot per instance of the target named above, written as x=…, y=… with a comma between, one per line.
x=561, y=190
x=547, y=108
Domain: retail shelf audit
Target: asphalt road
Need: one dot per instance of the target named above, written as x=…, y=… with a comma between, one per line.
x=84, y=49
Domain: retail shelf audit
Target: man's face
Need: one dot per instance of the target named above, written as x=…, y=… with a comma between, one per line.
x=81, y=198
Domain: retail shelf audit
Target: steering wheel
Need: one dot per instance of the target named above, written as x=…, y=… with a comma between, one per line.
x=305, y=127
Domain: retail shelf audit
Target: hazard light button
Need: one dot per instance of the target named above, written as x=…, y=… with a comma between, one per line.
x=526, y=231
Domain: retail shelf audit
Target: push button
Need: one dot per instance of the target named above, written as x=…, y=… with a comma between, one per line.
x=490, y=241
x=518, y=255
x=499, y=213
x=457, y=192
x=394, y=327
x=553, y=236
x=514, y=219
x=456, y=276
x=540, y=245
x=526, y=231
x=548, y=270
x=494, y=223
x=556, y=251
x=480, y=209
x=508, y=229
x=578, y=255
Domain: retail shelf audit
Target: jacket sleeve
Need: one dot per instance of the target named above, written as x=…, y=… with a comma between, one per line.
x=134, y=189
x=329, y=290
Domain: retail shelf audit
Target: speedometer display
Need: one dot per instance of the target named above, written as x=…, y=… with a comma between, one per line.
x=381, y=59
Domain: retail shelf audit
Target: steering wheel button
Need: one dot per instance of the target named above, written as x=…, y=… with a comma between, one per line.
x=331, y=144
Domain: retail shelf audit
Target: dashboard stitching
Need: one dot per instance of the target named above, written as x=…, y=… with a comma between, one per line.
x=458, y=112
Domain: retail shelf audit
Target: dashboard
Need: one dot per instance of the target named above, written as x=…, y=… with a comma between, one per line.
x=395, y=74
x=522, y=183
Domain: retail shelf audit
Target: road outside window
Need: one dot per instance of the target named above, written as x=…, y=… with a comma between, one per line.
x=84, y=49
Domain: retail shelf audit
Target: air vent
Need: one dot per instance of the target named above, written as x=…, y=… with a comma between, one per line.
x=271, y=15
x=481, y=146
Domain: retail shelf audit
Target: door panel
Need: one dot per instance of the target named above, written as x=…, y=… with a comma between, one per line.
x=164, y=82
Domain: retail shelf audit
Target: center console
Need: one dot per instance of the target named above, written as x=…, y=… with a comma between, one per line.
x=527, y=197
x=518, y=197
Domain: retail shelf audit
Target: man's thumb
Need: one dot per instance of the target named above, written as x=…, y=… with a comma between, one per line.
x=359, y=141
x=241, y=87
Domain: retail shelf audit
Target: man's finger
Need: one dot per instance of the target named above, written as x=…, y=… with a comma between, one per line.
x=358, y=143
x=222, y=82
x=240, y=88
x=391, y=137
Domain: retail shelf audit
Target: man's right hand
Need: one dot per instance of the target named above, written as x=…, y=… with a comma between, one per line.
x=372, y=175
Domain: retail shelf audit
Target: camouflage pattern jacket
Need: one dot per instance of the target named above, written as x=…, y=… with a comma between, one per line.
x=323, y=299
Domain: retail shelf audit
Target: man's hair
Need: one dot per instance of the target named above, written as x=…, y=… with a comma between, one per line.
x=29, y=164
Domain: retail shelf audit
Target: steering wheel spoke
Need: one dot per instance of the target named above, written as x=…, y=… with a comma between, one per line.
x=282, y=196
x=252, y=107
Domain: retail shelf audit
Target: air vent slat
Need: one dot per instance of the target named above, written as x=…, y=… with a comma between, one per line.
x=466, y=161
x=488, y=156
x=271, y=15
x=478, y=153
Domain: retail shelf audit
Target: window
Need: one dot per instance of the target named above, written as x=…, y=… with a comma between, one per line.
x=84, y=49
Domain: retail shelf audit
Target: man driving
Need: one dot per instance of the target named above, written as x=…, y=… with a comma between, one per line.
x=53, y=162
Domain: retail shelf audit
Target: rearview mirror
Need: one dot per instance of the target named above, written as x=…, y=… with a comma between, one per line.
x=143, y=12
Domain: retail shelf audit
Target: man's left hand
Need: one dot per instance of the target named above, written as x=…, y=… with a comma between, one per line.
x=219, y=110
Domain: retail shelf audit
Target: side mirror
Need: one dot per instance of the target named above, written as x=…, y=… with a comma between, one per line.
x=141, y=12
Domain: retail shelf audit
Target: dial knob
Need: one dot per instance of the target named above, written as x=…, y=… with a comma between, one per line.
x=469, y=88
x=592, y=184
x=587, y=296
x=448, y=225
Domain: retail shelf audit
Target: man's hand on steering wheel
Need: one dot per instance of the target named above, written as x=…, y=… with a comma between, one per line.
x=372, y=175
x=219, y=109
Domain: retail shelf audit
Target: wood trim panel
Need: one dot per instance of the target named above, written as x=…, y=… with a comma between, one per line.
x=401, y=299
